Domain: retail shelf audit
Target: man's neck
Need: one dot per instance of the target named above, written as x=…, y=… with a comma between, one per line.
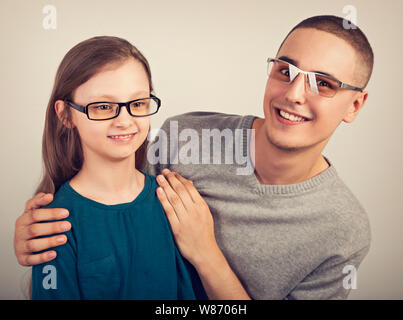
x=280, y=167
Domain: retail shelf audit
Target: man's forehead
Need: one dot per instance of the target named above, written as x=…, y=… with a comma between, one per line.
x=319, y=51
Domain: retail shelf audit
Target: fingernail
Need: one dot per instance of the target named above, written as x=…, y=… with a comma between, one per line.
x=60, y=239
x=65, y=226
x=51, y=254
x=166, y=171
x=159, y=190
x=160, y=178
x=63, y=213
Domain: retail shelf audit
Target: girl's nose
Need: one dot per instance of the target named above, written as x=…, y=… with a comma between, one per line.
x=124, y=118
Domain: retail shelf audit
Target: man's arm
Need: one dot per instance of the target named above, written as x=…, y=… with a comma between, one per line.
x=333, y=279
x=30, y=225
x=193, y=229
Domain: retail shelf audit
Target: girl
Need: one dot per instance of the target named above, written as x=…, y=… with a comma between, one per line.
x=120, y=245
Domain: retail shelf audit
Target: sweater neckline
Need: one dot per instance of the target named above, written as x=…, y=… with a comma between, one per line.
x=286, y=189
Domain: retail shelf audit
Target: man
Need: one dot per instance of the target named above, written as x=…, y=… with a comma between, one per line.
x=289, y=230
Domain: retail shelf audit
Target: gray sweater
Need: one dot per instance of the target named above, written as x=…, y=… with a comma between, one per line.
x=298, y=241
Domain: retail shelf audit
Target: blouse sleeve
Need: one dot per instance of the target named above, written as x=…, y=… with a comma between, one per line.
x=57, y=279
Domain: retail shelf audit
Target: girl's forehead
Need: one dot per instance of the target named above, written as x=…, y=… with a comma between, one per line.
x=122, y=69
x=121, y=80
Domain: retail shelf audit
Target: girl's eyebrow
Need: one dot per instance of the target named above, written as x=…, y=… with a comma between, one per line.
x=113, y=98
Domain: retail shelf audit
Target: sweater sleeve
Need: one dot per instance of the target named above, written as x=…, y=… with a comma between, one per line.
x=57, y=279
x=332, y=280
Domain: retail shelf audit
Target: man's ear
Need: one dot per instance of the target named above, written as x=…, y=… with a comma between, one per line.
x=355, y=107
x=59, y=108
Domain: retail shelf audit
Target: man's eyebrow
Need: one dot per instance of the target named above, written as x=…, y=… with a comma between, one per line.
x=289, y=60
x=325, y=74
x=295, y=63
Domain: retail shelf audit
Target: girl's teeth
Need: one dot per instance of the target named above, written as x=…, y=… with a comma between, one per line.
x=121, y=137
x=290, y=116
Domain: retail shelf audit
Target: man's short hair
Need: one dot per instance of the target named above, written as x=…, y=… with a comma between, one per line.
x=353, y=36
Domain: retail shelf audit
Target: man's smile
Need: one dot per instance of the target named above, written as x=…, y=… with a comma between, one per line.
x=290, y=118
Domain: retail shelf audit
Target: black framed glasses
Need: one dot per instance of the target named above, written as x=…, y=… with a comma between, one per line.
x=319, y=83
x=105, y=110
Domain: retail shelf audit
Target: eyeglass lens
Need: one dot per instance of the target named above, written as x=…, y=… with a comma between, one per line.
x=105, y=110
x=285, y=72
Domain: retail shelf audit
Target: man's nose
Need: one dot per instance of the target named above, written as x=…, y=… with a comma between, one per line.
x=297, y=89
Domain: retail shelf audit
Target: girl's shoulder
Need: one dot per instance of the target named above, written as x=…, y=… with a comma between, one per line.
x=63, y=198
x=150, y=179
x=150, y=183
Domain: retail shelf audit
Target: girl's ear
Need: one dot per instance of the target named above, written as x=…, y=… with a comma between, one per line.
x=59, y=108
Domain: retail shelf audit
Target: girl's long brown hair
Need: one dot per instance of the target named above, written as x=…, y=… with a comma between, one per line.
x=61, y=147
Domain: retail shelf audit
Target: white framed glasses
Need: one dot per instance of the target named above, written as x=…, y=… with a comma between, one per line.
x=319, y=83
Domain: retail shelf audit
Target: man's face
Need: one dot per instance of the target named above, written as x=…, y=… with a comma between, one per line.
x=317, y=51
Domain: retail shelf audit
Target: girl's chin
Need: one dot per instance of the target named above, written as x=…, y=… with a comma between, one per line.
x=121, y=155
x=121, y=158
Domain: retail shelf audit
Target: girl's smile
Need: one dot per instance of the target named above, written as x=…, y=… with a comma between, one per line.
x=122, y=138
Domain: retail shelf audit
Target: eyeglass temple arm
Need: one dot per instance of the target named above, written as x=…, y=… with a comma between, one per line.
x=347, y=86
x=77, y=107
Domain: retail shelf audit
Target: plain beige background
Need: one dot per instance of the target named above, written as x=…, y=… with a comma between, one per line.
x=206, y=55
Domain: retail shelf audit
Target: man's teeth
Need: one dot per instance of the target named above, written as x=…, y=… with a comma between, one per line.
x=290, y=116
x=121, y=137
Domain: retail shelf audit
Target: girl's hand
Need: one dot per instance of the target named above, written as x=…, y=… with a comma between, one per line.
x=189, y=215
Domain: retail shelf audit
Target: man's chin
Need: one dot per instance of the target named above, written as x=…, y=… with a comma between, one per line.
x=295, y=144
x=286, y=146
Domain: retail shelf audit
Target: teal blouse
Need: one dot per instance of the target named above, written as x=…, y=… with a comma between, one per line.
x=123, y=251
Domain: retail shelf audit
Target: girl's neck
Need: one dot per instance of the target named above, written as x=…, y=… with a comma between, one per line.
x=108, y=182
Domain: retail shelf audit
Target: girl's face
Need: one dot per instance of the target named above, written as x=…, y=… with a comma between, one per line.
x=118, y=138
